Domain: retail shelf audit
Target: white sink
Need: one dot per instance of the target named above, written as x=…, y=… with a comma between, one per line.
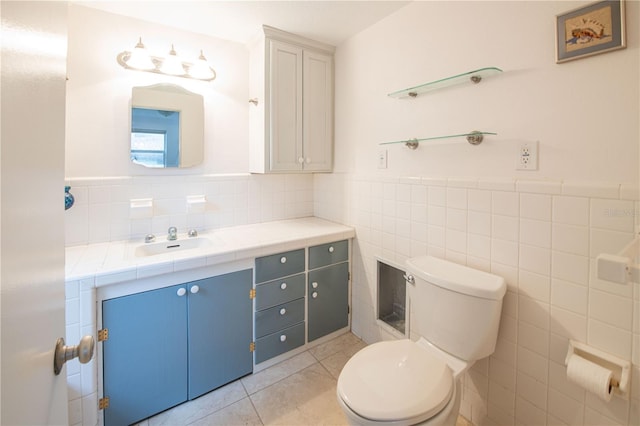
x=162, y=247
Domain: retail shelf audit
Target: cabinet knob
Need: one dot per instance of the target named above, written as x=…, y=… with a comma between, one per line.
x=300, y=160
x=195, y=289
x=283, y=286
x=314, y=284
x=331, y=249
x=181, y=291
x=283, y=337
x=314, y=294
x=308, y=160
x=283, y=311
x=283, y=259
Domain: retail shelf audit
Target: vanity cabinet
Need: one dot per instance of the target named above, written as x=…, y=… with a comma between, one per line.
x=279, y=304
x=328, y=288
x=173, y=344
x=291, y=122
x=298, y=301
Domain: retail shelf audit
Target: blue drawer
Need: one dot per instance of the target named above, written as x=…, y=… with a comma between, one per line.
x=279, y=317
x=328, y=254
x=279, y=291
x=278, y=343
x=279, y=265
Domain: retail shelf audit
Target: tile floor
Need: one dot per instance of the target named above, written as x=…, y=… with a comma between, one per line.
x=298, y=391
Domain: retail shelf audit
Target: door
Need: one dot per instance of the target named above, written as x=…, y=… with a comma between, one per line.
x=34, y=42
x=285, y=108
x=145, y=356
x=317, y=112
x=220, y=331
x=328, y=300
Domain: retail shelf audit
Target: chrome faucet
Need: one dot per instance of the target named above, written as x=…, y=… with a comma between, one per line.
x=173, y=233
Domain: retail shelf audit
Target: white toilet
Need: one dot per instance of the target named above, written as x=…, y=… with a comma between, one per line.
x=454, y=314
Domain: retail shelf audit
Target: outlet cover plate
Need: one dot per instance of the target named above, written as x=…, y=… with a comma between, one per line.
x=382, y=159
x=527, y=156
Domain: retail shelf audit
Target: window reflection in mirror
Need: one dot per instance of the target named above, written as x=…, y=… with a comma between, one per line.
x=155, y=137
x=167, y=126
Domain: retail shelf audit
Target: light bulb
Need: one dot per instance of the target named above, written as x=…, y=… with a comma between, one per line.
x=172, y=64
x=139, y=58
x=201, y=69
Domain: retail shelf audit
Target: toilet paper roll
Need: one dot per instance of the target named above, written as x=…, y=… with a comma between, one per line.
x=590, y=376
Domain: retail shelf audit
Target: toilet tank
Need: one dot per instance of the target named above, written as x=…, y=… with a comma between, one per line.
x=454, y=307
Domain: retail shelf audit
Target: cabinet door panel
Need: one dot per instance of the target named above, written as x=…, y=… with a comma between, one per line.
x=279, y=265
x=280, y=342
x=328, y=300
x=282, y=316
x=327, y=254
x=317, y=111
x=279, y=291
x=285, y=106
x=145, y=357
x=220, y=331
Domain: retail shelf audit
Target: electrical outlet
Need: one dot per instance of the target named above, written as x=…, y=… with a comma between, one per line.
x=382, y=159
x=527, y=156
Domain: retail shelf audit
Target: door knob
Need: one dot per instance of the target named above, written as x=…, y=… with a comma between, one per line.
x=63, y=353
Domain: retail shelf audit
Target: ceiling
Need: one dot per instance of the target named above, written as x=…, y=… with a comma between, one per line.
x=330, y=22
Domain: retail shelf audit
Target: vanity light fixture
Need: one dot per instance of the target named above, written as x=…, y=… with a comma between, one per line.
x=172, y=64
x=139, y=59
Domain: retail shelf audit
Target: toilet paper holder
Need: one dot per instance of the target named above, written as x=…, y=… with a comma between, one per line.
x=621, y=368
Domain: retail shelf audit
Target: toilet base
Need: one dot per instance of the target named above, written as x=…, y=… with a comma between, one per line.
x=446, y=417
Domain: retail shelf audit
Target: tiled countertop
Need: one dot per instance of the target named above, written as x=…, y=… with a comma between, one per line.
x=114, y=262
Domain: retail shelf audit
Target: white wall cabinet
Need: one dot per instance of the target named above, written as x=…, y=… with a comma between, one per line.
x=291, y=119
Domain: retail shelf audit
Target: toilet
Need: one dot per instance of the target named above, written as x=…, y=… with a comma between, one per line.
x=454, y=315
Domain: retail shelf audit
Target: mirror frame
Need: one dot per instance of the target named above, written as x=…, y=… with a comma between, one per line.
x=171, y=97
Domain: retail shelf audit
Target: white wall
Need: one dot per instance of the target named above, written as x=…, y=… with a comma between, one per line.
x=99, y=94
x=541, y=230
x=584, y=113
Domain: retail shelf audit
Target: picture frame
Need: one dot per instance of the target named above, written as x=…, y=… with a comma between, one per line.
x=590, y=30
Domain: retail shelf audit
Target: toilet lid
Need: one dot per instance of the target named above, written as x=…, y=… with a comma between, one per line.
x=395, y=380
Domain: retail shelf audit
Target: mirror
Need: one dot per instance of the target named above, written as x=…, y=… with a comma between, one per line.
x=167, y=126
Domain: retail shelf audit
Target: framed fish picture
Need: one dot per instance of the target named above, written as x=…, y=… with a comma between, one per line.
x=589, y=30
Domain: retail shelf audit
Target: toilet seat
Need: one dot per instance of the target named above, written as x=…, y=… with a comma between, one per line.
x=395, y=380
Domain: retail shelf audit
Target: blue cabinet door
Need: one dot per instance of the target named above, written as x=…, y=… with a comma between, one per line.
x=328, y=302
x=220, y=331
x=145, y=356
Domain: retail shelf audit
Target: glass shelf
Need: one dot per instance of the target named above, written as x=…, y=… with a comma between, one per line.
x=474, y=138
x=473, y=76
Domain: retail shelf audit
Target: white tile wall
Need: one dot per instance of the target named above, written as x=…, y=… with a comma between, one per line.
x=101, y=212
x=82, y=383
x=543, y=237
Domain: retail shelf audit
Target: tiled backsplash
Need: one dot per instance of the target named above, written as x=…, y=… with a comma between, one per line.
x=543, y=237
x=102, y=209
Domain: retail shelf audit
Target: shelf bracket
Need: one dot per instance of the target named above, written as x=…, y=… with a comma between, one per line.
x=475, y=137
x=412, y=144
